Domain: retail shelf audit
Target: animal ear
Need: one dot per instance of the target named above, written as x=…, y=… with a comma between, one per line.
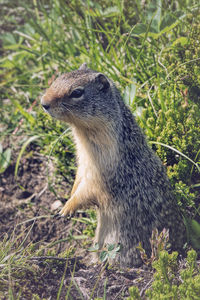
x=102, y=82
x=83, y=67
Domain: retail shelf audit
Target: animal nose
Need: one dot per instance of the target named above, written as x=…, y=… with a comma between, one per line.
x=45, y=106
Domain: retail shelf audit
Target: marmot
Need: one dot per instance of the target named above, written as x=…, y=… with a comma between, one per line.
x=117, y=170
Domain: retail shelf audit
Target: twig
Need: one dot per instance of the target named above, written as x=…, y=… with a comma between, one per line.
x=120, y=291
x=47, y=257
x=149, y=96
x=41, y=192
x=146, y=286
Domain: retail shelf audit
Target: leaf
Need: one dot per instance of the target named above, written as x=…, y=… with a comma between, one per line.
x=94, y=248
x=170, y=21
x=28, y=29
x=117, y=249
x=111, y=247
x=182, y=40
x=195, y=227
x=5, y=160
x=129, y=94
x=138, y=112
x=30, y=140
x=154, y=15
x=167, y=21
x=193, y=231
x=157, y=25
x=111, y=12
x=103, y=256
x=139, y=29
x=8, y=39
x=133, y=89
x=195, y=185
x=80, y=237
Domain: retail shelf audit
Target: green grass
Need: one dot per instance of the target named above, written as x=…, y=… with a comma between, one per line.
x=150, y=49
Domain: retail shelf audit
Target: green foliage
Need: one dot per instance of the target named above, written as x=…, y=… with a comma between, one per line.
x=55, y=142
x=158, y=44
x=90, y=221
x=134, y=293
x=31, y=139
x=5, y=157
x=166, y=284
x=157, y=22
x=109, y=252
x=193, y=232
x=171, y=117
x=14, y=258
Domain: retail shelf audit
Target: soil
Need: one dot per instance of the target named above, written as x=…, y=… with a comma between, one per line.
x=28, y=217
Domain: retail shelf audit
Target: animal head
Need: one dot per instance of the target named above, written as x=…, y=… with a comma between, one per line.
x=79, y=97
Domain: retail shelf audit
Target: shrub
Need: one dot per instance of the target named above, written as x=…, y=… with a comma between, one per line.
x=167, y=284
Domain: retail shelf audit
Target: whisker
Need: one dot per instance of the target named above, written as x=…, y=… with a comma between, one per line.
x=66, y=108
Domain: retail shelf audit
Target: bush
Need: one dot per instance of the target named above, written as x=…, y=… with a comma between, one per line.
x=167, y=284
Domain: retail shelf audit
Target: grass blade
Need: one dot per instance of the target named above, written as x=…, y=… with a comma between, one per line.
x=175, y=150
x=30, y=140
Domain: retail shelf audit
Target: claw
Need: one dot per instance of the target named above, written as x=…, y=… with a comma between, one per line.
x=57, y=216
x=64, y=213
x=69, y=208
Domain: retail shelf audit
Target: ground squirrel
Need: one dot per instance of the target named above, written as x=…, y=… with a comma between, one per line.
x=117, y=171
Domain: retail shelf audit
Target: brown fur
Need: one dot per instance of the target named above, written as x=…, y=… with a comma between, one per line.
x=117, y=171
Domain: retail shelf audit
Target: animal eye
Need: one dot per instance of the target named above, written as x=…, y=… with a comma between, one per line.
x=77, y=93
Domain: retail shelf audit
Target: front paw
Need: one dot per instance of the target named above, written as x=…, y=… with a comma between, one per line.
x=69, y=208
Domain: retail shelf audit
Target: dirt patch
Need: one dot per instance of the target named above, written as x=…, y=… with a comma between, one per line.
x=27, y=199
x=79, y=281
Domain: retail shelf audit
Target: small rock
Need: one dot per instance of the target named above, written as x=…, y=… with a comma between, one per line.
x=56, y=204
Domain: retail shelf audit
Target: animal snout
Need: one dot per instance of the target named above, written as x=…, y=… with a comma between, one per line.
x=45, y=106
x=44, y=103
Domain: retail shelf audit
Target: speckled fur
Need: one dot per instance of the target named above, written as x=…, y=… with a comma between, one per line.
x=117, y=170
